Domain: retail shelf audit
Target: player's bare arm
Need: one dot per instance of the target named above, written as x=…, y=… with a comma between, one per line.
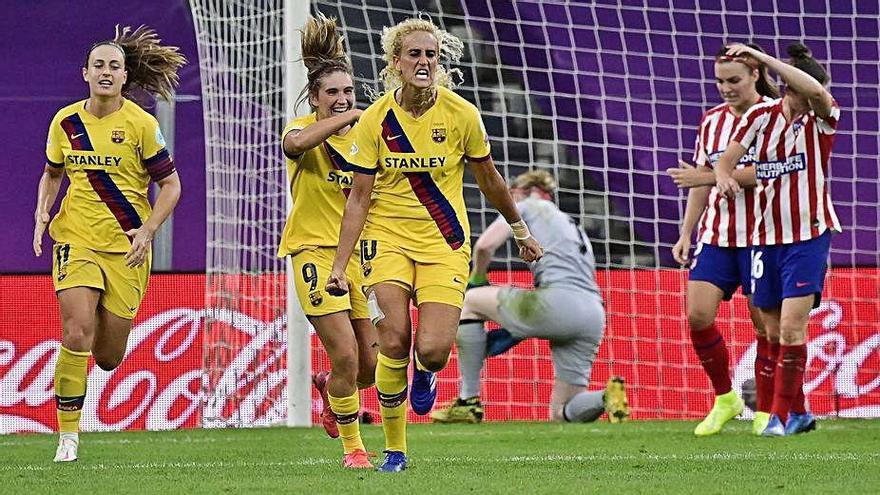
x=169, y=194
x=495, y=189
x=352, y=225
x=47, y=193
x=797, y=80
x=687, y=176
x=697, y=200
x=296, y=142
x=724, y=180
x=492, y=238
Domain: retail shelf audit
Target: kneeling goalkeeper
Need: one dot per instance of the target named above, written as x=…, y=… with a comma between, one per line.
x=565, y=308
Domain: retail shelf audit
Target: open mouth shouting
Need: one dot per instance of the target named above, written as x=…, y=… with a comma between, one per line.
x=423, y=75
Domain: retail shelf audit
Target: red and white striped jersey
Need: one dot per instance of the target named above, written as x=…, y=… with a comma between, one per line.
x=724, y=222
x=791, y=160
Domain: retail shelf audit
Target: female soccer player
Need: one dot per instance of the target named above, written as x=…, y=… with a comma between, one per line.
x=110, y=149
x=408, y=154
x=722, y=259
x=315, y=146
x=792, y=137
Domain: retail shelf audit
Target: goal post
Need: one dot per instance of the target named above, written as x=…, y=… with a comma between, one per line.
x=299, y=351
x=256, y=342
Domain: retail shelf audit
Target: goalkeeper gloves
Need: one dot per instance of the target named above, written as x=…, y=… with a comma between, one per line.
x=477, y=280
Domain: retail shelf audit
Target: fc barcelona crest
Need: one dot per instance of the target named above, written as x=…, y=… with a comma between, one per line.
x=367, y=267
x=315, y=298
x=117, y=136
x=438, y=134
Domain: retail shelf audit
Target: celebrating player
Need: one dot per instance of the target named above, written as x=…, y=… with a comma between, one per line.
x=564, y=278
x=792, y=139
x=110, y=150
x=315, y=146
x=723, y=257
x=408, y=155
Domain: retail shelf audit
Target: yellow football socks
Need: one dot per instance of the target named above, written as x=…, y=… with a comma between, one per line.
x=71, y=373
x=346, y=410
x=391, y=386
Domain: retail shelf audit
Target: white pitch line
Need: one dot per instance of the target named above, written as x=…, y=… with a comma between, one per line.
x=436, y=431
x=12, y=441
x=122, y=441
x=531, y=459
x=309, y=461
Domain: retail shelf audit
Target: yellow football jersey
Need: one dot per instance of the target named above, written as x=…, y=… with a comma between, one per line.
x=110, y=162
x=320, y=180
x=418, y=197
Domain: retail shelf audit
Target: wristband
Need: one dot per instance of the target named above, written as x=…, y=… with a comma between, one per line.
x=520, y=230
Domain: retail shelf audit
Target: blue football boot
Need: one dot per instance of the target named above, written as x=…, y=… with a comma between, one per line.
x=395, y=462
x=774, y=428
x=423, y=392
x=800, y=423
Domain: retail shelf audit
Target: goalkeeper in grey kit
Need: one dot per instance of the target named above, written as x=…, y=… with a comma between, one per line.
x=565, y=308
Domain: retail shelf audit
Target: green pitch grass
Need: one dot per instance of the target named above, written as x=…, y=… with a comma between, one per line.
x=636, y=457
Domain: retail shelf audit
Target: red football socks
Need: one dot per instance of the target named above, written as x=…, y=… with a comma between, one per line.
x=712, y=351
x=789, y=378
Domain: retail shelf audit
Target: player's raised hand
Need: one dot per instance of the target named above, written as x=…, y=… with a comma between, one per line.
x=686, y=175
x=141, y=238
x=529, y=249
x=41, y=220
x=681, y=250
x=337, y=283
x=739, y=49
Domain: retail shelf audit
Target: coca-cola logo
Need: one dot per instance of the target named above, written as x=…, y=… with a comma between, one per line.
x=160, y=383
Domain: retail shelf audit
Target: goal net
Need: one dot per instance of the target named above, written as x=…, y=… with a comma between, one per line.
x=606, y=95
x=242, y=64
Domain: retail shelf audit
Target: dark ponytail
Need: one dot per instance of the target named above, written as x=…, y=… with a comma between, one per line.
x=803, y=60
x=764, y=85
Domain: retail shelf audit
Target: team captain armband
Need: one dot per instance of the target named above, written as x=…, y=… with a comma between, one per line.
x=160, y=166
x=520, y=230
x=479, y=159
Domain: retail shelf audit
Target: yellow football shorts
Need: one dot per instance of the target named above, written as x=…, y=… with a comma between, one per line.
x=311, y=268
x=122, y=288
x=433, y=278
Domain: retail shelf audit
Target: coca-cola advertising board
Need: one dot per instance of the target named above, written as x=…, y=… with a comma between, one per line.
x=160, y=383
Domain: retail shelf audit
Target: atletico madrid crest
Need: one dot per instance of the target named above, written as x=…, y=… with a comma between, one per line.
x=438, y=134
x=117, y=136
